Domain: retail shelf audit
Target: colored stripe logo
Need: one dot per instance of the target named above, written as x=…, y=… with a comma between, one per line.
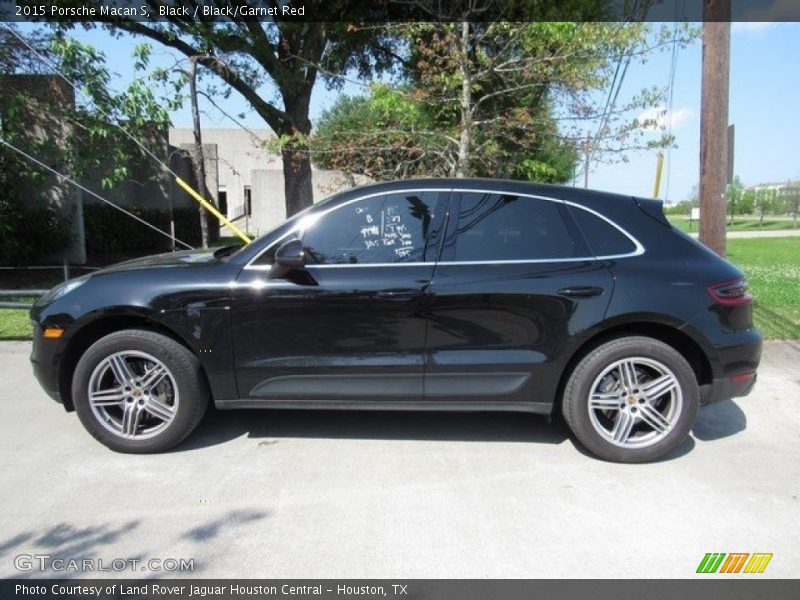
x=734, y=562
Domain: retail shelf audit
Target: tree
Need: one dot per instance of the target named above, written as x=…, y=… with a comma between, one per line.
x=502, y=99
x=103, y=123
x=246, y=54
x=792, y=199
x=735, y=193
x=389, y=135
x=766, y=200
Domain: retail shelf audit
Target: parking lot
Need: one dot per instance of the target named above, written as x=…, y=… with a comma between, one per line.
x=327, y=494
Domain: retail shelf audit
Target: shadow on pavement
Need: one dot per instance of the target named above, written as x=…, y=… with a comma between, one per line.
x=717, y=421
x=94, y=543
x=220, y=426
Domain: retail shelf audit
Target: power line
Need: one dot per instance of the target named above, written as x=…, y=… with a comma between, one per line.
x=90, y=192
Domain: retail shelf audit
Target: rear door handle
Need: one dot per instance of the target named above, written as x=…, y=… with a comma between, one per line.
x=580, y=291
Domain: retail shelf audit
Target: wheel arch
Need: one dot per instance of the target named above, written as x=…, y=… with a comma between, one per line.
x=98, y=328
x=662, y=331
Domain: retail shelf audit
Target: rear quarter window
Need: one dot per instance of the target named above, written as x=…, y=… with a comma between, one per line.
x=603, y=238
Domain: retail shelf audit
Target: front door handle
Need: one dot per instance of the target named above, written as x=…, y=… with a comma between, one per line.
x=580, y=291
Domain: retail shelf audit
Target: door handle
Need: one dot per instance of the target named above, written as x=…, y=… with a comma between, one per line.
x=580, y=291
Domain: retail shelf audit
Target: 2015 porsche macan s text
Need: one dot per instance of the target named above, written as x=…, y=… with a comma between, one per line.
x=451, y=295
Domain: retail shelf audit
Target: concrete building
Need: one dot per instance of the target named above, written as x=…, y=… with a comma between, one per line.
x=45, y=133
x=248, y=185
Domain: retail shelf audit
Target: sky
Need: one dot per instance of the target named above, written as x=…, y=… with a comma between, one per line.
x=764, y=107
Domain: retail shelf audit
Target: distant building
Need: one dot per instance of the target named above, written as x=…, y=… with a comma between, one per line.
x=780, y=187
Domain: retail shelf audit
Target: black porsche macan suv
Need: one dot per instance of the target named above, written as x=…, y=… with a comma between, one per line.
x=465, y=295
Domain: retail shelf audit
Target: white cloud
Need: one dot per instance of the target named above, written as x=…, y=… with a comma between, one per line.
x=752, y=28
x=660, y=118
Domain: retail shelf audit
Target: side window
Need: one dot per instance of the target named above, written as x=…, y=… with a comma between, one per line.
x=509, y=227
x=390, y=228
x=603, y=238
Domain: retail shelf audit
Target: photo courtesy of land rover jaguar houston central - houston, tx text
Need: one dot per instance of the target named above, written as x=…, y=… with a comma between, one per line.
x=439, y=294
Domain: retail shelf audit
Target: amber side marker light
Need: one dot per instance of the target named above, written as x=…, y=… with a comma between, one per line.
x=53, y=333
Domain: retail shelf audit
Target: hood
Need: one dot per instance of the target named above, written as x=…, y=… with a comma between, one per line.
x=169, y=259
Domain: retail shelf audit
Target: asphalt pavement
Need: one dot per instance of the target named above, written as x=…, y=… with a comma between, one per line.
x=401, y=495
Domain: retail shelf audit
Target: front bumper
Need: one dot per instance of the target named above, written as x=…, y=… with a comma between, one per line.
x=45, y=358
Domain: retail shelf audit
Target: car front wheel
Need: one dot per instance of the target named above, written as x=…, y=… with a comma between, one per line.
x=139, y=391
x=633, y=399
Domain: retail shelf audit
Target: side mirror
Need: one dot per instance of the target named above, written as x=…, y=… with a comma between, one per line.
x=290, y=256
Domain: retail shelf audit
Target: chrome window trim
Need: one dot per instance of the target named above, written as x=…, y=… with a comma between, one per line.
x=307, y=222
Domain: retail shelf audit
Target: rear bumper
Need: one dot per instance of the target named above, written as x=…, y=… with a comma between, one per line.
x=725, y=389
x=45, y=356
x=735, y=372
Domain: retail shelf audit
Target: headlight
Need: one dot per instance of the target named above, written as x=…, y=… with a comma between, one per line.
x=61, y=289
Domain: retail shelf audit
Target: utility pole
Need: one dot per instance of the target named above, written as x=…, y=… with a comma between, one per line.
x=714, y=122
x=198, y=158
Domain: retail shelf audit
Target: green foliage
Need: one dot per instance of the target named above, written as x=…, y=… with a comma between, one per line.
x=96, y=139
x=393, y=134
x=103, y=225
x=29, y=235
x=735, y=196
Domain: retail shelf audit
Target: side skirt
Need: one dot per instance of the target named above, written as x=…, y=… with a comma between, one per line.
x=541, y=408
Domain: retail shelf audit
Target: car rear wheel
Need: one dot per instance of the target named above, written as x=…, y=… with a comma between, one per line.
x=139, y=391
x=632, y=399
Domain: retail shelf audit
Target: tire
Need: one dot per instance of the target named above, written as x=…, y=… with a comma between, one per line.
x=613, y=399
x=161, y=399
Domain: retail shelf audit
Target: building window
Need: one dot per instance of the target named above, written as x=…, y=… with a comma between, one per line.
x=248, y=201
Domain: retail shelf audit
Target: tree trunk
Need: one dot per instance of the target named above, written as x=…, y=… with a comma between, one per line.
x=465, y=137
x=198, y=159
x=297, y=183
x=297, y=177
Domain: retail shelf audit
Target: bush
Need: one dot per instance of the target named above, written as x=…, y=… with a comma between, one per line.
x=109, y=231
x=30, y=235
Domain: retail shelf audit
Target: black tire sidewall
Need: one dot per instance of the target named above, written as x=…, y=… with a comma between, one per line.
x=578, y=389
x=185, y=370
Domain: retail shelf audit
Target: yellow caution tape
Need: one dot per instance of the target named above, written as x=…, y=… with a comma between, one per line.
x=212, y=209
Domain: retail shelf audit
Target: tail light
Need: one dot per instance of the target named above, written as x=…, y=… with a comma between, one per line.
x=730, y=293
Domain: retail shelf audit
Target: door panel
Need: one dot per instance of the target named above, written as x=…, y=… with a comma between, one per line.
x=515, y=286
x=353, y=332
x=499, y=332
x=350, y=326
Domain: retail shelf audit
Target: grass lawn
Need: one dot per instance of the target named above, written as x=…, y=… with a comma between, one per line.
x=773, y=272
x=739, y=224
x=772, y=266
x=14, y=323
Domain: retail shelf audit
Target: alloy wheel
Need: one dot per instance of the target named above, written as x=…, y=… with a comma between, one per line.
x=635, y=402
x=133, y=394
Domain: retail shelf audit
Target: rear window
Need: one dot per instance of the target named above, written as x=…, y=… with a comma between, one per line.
x=603, y=238
x=509, y=227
